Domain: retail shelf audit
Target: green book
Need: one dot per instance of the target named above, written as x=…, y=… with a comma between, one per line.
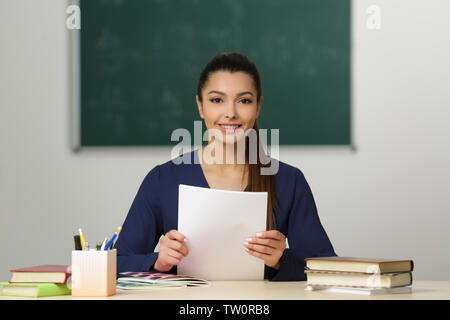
x=33, y=290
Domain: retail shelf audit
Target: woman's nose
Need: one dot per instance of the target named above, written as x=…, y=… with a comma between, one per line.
x=231, y=111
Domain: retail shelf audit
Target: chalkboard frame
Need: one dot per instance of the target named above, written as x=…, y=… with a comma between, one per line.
x=74, y=40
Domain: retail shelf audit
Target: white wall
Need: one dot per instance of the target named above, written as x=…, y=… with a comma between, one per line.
x=387, y=199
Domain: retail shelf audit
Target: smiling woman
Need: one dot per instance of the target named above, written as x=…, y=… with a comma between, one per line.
x=229, y=99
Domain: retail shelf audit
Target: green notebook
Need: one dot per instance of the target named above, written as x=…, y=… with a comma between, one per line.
x=33, y=289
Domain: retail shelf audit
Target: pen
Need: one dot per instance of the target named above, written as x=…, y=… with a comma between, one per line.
x=83, y=244
x=118, y=232
x=103, y=244
x=111, y=242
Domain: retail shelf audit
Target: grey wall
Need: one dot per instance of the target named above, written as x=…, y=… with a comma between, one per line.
x=388, y=199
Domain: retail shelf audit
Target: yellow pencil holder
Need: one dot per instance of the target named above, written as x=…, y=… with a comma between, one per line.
x=94, y=273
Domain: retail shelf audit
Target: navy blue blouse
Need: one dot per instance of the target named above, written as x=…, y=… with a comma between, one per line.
x=154, y=212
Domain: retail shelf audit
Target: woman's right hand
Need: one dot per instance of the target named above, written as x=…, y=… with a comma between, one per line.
x=172, y=249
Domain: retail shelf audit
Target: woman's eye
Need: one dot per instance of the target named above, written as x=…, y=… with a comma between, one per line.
x=218, y=100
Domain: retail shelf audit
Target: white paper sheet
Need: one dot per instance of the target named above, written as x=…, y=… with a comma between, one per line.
x=216, y=223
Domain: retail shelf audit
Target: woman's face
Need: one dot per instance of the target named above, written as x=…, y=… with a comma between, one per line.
x=229, y=105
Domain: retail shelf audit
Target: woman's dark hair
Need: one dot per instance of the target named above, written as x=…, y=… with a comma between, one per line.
x=234, y=62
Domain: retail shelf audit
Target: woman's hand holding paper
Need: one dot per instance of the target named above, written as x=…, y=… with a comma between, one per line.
x=268, y=246
x=172, y=249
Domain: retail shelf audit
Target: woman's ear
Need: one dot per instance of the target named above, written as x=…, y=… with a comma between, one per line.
x=199, y=106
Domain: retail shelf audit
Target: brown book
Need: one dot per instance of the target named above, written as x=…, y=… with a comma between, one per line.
x=41, y=274
x=364, y=265
x=359, y=280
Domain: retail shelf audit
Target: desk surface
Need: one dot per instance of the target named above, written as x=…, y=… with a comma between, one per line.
x=265, y=290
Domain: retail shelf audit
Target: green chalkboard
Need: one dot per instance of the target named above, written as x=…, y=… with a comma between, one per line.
x=141, y=59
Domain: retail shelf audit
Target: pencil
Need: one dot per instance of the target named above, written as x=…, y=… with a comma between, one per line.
x=83, y=244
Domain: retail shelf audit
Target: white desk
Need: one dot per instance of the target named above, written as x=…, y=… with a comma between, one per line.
x=264, y=290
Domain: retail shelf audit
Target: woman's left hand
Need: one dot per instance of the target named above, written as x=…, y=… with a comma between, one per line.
x=268, y=246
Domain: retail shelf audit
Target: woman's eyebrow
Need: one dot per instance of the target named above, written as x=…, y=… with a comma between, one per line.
x=223, y=94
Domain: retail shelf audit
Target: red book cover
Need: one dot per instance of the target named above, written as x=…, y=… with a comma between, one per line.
x=48, y=269
x=44, y=268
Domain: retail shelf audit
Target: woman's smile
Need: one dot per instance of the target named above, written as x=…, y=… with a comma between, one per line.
x=229, y=127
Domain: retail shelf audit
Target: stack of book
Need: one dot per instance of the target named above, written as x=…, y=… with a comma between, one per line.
x=38, y=281
x=359, y=275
